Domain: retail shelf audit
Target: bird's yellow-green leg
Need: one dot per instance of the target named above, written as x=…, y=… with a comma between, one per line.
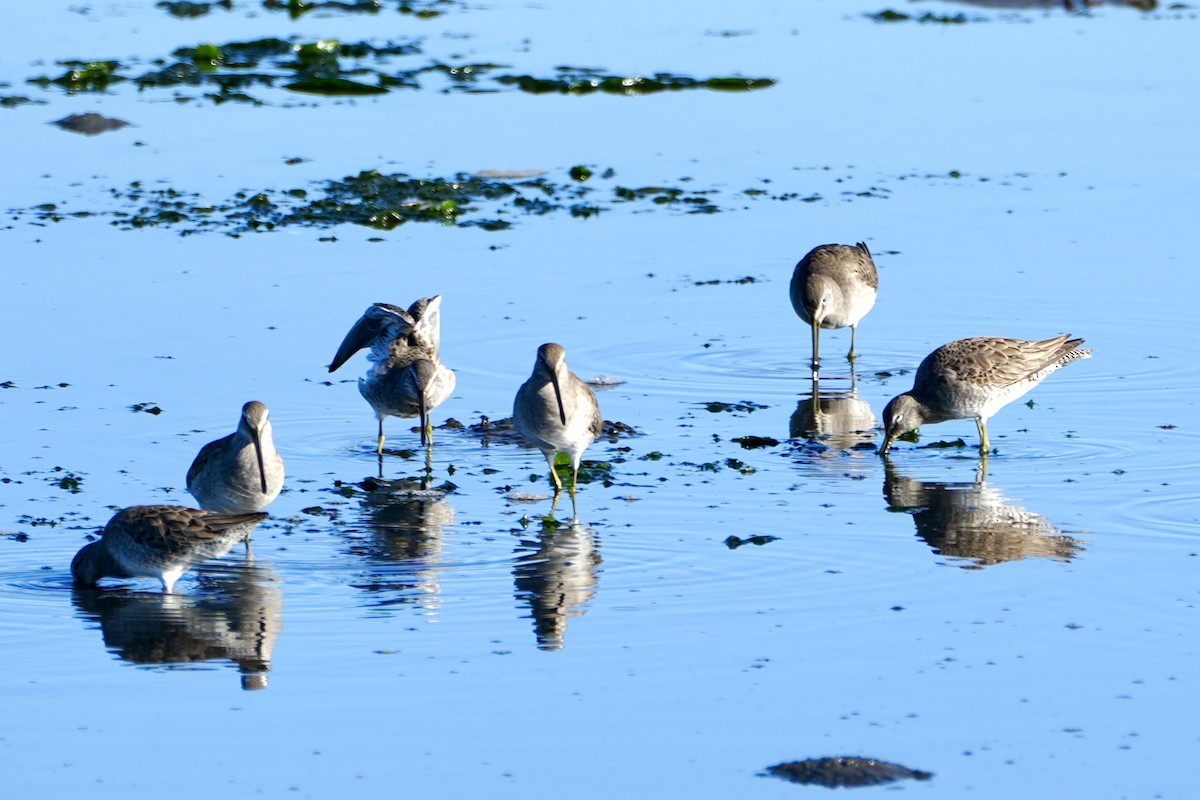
x=984, y=446
x=380, y=447
x=853, y=334
x=554, y=476
x=574, y=484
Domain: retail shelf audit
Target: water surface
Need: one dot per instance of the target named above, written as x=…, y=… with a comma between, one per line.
x=1029, y=624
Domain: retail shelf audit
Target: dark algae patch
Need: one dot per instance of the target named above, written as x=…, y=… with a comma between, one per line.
x=890, y=15
x=83, y=76
x=146, y=408
x=755, y=442
x=90, y=124
x=16, y=100
x=746, y=406
x=371, y=199
x=845, y=772
x=734, y=542
x=186, y=10
x=231, y=71
x=576, y=80
x=490, y=199
x=421, y=9
x=1007, y=6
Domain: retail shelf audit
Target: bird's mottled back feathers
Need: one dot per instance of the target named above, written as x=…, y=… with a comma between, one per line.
x=999, y=361
x=836, y=260
x=174, y=530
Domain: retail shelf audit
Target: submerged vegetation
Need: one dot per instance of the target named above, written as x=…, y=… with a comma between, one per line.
x=229, y=72
x=845, y=772
x=384, y=201
x=422, y=9
x=493, y=200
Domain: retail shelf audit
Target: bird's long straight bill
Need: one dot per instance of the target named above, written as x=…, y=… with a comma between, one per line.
x=562, y=411
x=256, y=437
x=816, y=337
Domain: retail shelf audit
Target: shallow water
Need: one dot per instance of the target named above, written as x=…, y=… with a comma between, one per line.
x=1030, y=624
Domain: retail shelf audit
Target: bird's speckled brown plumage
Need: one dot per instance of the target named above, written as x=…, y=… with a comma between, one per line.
x=975, y=378
x=159, y=541
x=834, y=286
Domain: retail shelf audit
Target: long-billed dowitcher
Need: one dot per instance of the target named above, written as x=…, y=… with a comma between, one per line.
x=975, y=378
x=834, y=286
x=241, y=472
x=557, y=412
x=159, y=542
x=406, y=377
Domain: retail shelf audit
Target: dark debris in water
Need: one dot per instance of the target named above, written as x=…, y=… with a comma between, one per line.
x=493, y=200
x=83, y=76
x=589, y=471
x=90, y=124
x=928, y=18
x=740, y=466
x=717, y=281
x=941, y=444
x=576, y=80
x=747, y=406
x=146, y=408
x=421, y=9
x=15, y=100
x=755, y=442
x=734, y=542
x=66, y=480
x=1074, y=7
x=230, y=71
x=186, y=10
x=371, y=199
x=38, y=522
x=845, y=772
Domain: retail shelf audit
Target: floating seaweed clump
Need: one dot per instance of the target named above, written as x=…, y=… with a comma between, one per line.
x=574, y=80
x=845, y=771
x=891, y=15
x=488, y=200
x=228, y=72
x=421, y=9
x=188, y=10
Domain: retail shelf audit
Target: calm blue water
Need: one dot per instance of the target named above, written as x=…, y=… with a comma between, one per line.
x=455, y=648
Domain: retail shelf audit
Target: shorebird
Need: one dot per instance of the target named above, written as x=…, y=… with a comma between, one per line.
x=406, y=377
x=556, y=412
x=834, y=286
x=975, y=378
x=239, y=473
x=159, y=542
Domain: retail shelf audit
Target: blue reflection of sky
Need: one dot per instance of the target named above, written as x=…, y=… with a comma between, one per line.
x=690, y=666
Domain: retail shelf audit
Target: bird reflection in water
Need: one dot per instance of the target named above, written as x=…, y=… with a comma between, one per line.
x=400, y=535
x=235, y=615
x=838, y=418
x=974, y=521
x=556, y=573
